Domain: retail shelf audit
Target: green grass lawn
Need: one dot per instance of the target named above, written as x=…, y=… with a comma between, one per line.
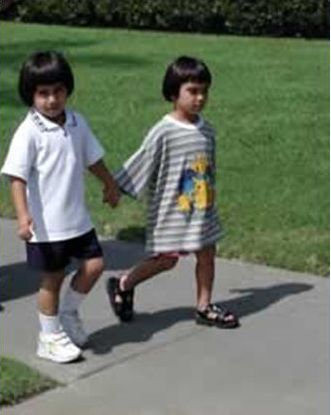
x=18, y=381
x=269, y=103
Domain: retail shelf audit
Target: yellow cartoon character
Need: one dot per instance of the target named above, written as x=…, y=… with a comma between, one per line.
x=203, y=191
x=200, y=165
x=203, y=194
x=195, y=188
x=184, y=203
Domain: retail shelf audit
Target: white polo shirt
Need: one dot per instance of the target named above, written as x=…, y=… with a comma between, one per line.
x=52, y=160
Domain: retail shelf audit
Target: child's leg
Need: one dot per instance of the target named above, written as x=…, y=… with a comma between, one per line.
x=48, y=300
x=121, y=291
x=87, y=275
x=205, y=273
x=208, y=313
x=53, y=342
x=81, y=283
x=146, y=270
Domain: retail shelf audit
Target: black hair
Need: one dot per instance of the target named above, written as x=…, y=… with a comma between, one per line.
x=44, y=68
x=184, y=69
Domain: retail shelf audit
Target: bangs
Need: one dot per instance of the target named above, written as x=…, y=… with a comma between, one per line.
x=198, y=73
x=49, y=73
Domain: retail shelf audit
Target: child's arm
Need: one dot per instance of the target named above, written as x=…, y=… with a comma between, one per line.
x=93, y=154
x=18, y=192
x=111, y=193
x=137, y=171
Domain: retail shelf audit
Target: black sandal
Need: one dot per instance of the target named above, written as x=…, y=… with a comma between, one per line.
x=214, y=315
x=123, y=309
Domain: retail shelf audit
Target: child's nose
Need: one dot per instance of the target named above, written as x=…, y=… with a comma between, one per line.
x=52, y=98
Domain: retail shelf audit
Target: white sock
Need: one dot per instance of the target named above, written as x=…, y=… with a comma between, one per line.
x=49, y=324
x=71, y=300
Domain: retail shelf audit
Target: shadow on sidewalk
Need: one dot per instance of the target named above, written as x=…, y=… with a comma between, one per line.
x=146, y=325
x=17, y=280
x=141, y=329
x=256, y=299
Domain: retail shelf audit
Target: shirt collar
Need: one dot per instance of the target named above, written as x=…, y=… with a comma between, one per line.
x=190, y=126
x=45, y=125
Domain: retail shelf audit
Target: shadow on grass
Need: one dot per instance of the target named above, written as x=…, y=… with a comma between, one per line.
x=13, y=54
x=109, y=60
x=146, y=325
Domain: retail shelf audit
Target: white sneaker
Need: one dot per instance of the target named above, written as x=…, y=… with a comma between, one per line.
x=57, y=347
x=73, y=326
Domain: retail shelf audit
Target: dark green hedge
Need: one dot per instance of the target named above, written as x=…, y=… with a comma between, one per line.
x=307, y=18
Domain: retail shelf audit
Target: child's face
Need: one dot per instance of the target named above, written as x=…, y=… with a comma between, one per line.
x=192, y=97
x=50, y=100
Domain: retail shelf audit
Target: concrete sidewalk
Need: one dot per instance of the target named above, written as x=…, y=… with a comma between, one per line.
x=277, y=362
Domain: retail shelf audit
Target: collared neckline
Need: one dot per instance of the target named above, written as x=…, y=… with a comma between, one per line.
x=45, y=125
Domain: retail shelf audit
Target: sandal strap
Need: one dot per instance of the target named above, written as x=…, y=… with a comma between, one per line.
x=126, y=296
x=213, y=314
x=121, y=301
x=221, y=313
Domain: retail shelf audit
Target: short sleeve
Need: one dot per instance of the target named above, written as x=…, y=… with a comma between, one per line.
x=21, y=154
x=137, y=171
x=93, y=151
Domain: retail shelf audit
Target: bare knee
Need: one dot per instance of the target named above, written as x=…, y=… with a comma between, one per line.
x=97, y=266
x=87, y=275
x=93, y=268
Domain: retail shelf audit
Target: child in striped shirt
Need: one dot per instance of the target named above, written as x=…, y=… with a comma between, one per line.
x=176, y=163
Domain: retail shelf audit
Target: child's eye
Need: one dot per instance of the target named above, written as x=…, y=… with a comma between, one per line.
x=59, y=90
x=197, y=91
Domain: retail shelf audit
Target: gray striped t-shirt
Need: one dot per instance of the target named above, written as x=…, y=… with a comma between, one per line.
x=176, y=163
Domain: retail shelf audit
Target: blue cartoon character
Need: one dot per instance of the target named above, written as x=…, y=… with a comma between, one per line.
x=186, y=191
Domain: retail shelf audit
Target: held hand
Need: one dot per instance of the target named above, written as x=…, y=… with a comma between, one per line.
x=111, y=195
x=24, y=230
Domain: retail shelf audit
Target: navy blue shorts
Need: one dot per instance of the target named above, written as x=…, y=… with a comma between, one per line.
x=55, y=256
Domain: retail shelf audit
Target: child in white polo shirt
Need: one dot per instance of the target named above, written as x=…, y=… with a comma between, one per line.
x=46, y=161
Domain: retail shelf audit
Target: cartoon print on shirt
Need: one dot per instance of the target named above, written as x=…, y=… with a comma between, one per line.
x=196, y=187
